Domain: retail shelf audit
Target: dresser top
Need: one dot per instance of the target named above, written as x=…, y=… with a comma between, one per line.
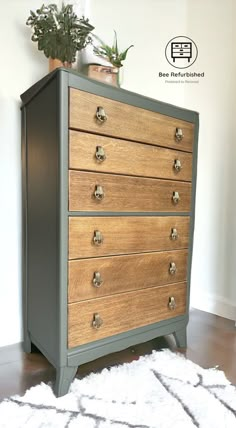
x=71, y=78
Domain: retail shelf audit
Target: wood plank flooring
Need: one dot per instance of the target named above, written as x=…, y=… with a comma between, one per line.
x=211, y=342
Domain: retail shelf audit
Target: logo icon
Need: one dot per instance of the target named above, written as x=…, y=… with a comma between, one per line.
x=181, y=52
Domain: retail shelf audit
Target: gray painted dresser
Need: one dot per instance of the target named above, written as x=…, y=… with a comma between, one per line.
x=109, y=180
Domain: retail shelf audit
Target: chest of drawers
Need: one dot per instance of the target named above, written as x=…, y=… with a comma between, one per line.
x=181, y=50
x=109, y=181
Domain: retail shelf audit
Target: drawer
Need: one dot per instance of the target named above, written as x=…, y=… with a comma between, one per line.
x=181, y=45
x=127, y=234
x=105, y=192
x=128, y=122
x=126, y=157
x=123, y=312
x=185, y=54
x=99, y=277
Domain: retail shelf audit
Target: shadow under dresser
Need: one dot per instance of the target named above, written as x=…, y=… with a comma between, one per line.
x=109, y=180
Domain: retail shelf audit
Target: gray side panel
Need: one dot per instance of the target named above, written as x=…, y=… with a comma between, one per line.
x=42, y=224
x=28, y=95
x=27, y=346
x=192, y=221
x=63, y=217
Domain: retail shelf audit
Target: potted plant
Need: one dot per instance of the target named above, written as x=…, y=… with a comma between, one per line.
x=114, y=58
x=59, y=33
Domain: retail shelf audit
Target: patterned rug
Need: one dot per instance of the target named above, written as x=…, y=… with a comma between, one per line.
x=161, y=390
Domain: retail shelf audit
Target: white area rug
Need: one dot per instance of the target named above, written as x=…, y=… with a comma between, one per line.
x=162, y=390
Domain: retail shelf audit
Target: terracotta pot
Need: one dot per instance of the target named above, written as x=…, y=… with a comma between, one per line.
x=56, y=63
x=104, y=73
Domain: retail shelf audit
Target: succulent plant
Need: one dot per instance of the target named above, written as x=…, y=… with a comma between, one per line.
x=111, y=53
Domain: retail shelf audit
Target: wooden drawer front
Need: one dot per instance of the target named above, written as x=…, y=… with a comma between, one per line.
x=127, y=121
x=126, y=157
x=124, y=273
x=122, y=235
x=124, y=194
x=123, y=312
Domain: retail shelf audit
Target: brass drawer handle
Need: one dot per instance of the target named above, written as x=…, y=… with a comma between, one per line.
x=100, y=154
x=172, y=303
x=97, y=280
x=179, y=134
x=177, y=165
x=176, y=198
x=172, y=268
x=97, y=238
x=98, y=192
x=97, y=321
x=174, y=234
x=101, y=114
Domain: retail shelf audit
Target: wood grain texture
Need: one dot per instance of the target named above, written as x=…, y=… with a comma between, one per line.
x=128, y=122
x=123, y=235
x=126, y=157
x=124, y=273
x=123, y=312
x=124, y=194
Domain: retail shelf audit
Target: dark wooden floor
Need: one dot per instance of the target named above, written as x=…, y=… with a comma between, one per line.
x=211, y=342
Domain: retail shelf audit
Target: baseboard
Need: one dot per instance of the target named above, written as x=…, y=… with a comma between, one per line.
x=215, y=304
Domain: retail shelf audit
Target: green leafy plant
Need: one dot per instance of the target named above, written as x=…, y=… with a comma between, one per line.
x=59, y=33
x=111, y=53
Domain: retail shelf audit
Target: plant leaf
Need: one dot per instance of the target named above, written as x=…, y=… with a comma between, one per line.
x=124, y=54
x=115, y=44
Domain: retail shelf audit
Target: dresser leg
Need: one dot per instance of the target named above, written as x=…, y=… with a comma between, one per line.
x=181, y=338
x=64, y=377
x=27, y=344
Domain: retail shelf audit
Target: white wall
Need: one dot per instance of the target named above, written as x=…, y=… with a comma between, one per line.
x=21, y=66
x=213, y=279
x=148, y=25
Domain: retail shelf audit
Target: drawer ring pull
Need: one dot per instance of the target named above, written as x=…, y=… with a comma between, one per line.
x=174, y=234
x=172, y=303
x=179, y=135
x=172, y=268
x=177, y=165
x=97, y=280
x=98, y=192
x=97, y=238
x=101, y=114
x=100, y=154
x=97, y=321
x=176, y=197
